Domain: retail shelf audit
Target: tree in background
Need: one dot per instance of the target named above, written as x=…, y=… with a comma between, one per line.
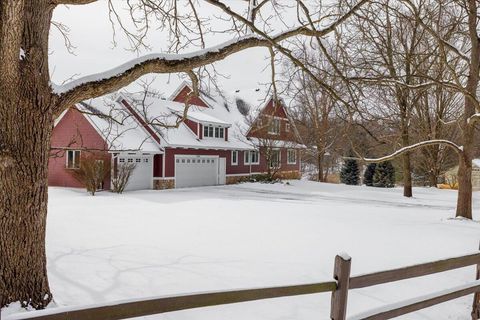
x=384, y=176
x=368, y=174
x=350, y=173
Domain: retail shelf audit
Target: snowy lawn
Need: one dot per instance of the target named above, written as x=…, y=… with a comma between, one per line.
x=140, y=244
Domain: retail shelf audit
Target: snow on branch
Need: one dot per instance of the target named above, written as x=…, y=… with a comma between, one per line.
x=454, y=146
x=105, y=82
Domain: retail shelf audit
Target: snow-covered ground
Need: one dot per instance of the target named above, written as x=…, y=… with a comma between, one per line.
x=140, y=244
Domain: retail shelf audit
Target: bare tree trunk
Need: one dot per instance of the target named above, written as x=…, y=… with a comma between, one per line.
x=320, y=167
x=407, y=176
x=464, y=202
x=26, y=124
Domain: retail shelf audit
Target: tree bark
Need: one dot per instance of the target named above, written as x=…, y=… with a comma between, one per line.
x=321, y=177
x=464, y=200
x=26, y=118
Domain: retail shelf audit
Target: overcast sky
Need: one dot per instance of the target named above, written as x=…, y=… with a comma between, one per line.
x=91, y=34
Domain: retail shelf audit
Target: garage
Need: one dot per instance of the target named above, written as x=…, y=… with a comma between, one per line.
x=141, y=177
x=196, y=171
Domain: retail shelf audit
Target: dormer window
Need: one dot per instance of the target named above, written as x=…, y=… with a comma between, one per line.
x=209, y=131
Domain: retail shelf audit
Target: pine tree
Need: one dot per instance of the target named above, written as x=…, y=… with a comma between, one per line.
x=384, y=176
x=368, y=174
x=350, y=173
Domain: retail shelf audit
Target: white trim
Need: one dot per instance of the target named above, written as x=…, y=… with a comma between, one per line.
x=74, y=162
x=180, y=88
x=236, y=158
x=288, y=160
x=60, y=117
x=179, y=146
x=250, y=158
x=279, y=158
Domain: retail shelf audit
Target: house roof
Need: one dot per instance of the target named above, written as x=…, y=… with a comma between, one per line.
x=117, y=126
x=157, y=116
x=162, y=115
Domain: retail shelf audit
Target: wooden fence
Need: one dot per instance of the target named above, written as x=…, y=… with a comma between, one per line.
x=339, y=288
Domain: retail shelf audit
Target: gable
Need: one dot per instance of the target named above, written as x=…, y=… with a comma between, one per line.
x=74, y=131
x=271, y=110
x=260, y=126
x=181, y=96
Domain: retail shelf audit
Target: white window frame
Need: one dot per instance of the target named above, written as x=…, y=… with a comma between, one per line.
x=279, y=158
x=234, y=163
x=258, y=157
x=272, y=127
x=287, y=127
x=75, y=164
x=294, y=156
x=247, y=157
x=214, y=132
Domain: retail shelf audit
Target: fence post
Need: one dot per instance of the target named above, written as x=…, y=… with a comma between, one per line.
x=476, y=299
x=341, y=273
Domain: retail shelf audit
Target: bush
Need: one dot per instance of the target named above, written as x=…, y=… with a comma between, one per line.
x=122, y=176
x=92, y=172
x=368, y=174
x=350, y=173
x=262, y=178
x=384, y=176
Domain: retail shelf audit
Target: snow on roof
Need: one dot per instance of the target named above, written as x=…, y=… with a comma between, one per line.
x=160, y=113
x=121, y=131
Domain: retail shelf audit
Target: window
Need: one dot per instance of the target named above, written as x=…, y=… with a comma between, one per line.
x=213, y=132
x=291, y=156
x=251, y=157
x=274, y=126
x=254, y=157
x=234, y=157
x=287, y=127
x=275, y=159
x=73, y=159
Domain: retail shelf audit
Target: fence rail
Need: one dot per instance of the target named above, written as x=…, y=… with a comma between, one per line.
x=339, y=287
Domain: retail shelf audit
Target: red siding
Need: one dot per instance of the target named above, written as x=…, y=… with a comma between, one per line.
x=158, y=165
x=182, y=97
x=192, y=125
x=262, y=131
x=73, y=132
x=240, y=168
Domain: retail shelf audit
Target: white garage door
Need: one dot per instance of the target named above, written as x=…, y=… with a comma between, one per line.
x=195, y=171
x=142, y=175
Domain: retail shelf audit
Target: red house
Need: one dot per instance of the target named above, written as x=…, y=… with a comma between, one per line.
x=220, y=140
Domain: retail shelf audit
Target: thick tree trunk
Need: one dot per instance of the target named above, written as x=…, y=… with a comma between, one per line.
x=26, y=105
x=23, y=209
x=464, y=202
